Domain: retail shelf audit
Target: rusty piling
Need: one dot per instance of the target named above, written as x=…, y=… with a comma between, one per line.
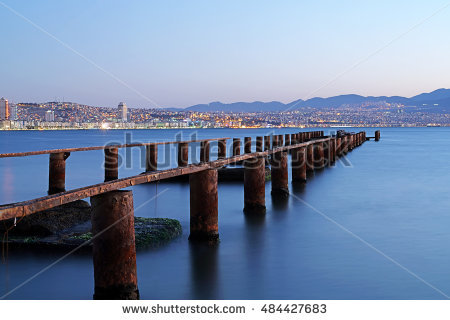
x=247, y=145
x=266, y=143
x=222, y=149
x=287, y=139
x=299, y=164
x=255, y=186
x=319, y=159
x=259, y=144
x=57, y=172
x=204, y=206
x=279, y=174
x=377, y=135
x=183, y=154
x=151, y=163
x=111, y=164
x=236, y=146
x=114, y=251
x=204, y=151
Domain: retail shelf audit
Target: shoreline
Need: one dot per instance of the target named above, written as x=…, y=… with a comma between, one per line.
x=201, y=128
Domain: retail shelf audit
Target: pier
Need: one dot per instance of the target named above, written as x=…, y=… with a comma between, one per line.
x=114, y=252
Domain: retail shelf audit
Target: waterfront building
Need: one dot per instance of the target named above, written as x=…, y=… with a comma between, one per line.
x=123, y=111
x=50, y=116
x=4, y=109
x=13, y=114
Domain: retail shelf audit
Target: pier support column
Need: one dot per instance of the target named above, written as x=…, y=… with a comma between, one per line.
x=344, y=143
x=255, y=186
x=287, y=139
x=236, y=146
x=280, y=140
x=326, y=153
x=183, y=154
x=274, y=141
x=332, y=150
x=319, y=159
x=349, y=142
x=299, y=164
x=248, y=145
x=204, y=151
x=259, y=144
x=338, y=147
x=279, y=170
x=114, y=251
x=222, y=146
x=151, y=163
x=310, y=158
x=294, y=139
x=111, y=164
x=266, y=142
x=204, y=206
x=377, y=135
x=57, y=172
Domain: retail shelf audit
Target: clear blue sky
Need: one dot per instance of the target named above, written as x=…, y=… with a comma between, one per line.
x=180, y=53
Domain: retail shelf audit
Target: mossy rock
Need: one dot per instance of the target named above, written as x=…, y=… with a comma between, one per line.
x=49, y=222
x=149, y=232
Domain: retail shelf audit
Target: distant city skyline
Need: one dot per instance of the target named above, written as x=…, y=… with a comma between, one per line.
x=183, y=53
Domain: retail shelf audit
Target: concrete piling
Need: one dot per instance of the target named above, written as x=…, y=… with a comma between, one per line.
x=204, y=206
x=114, y=251
x=57, y=172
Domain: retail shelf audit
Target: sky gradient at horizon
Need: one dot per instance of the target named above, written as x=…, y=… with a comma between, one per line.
x=181, y=53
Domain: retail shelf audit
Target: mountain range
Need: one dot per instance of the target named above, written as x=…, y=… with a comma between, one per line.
x=436, y=101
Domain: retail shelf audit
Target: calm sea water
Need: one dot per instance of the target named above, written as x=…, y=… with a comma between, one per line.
x=378, y=229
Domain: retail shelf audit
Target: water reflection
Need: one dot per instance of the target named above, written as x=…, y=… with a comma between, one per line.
x=204, y=270
x=280, y=202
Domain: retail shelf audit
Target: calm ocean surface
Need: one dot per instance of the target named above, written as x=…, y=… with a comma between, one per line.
x=379, y=229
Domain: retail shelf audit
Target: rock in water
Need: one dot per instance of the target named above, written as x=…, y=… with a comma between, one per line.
x=149, y=232
x=51, y=221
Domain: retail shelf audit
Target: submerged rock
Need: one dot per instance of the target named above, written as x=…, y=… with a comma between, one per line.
x=51, y=221
x=149, y=232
